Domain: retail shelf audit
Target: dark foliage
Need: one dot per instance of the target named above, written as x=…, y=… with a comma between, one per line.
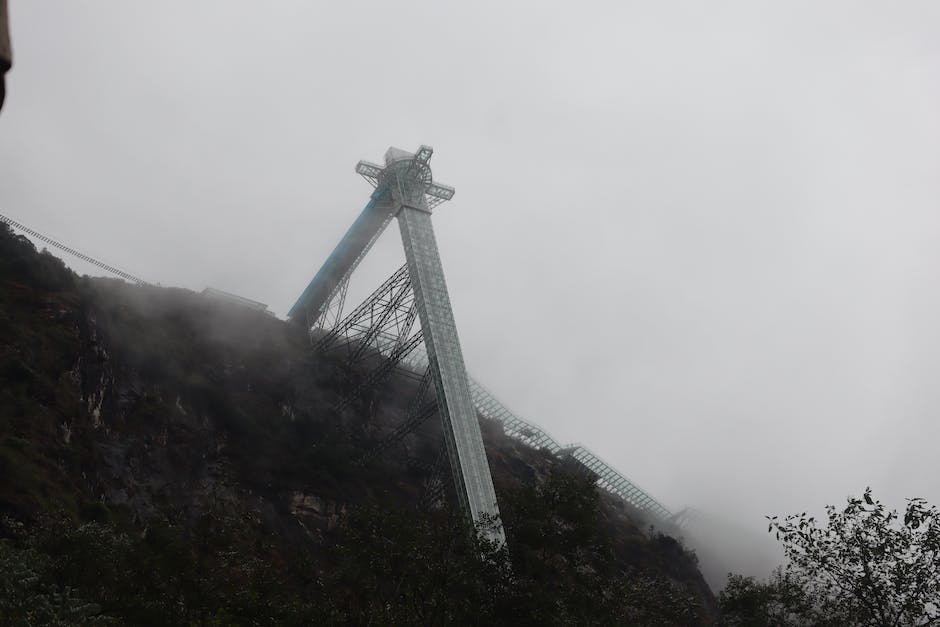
x=386, y=565
x=168, y=459
x=866, y=566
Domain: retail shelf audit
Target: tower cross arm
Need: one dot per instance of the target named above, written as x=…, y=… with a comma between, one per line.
x=370, y=171
x=439, y=190
x=401, y=165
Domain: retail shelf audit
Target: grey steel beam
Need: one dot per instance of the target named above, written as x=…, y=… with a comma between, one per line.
x=487, y=405
x=404, y=187
x=408, y=178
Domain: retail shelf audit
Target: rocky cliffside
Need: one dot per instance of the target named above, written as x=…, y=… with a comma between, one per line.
x=160, y=413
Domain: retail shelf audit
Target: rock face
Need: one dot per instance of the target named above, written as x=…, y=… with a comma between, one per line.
x=153, y=400
x=140, y=404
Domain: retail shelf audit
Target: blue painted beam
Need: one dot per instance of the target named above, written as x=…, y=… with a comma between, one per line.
x=343, y=258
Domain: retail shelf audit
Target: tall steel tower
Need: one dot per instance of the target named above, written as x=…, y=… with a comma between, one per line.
x=405, y=189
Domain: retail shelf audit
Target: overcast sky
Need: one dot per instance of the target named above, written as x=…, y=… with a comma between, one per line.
x=700, y=238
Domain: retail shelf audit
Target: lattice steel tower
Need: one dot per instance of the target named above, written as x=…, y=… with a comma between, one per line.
x=404, y=189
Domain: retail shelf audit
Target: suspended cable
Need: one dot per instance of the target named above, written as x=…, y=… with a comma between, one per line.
x=48, y=240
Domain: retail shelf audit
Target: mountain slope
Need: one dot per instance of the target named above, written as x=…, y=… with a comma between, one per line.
x=187, y=453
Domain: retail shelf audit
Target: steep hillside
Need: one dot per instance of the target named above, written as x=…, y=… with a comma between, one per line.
x=169, y=459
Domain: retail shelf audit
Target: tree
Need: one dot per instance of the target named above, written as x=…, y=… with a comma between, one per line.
x=781, y=601
x=397, y=566
x=867, y=566
x=566, y=570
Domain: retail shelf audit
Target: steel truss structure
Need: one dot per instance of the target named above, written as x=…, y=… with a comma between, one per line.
x=608, y=477
x=48, y=240
x=384, y=325
x=419, y=412
x=355, y=328
x=404, y=188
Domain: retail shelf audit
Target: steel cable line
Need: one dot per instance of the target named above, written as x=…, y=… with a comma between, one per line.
x=48, y=240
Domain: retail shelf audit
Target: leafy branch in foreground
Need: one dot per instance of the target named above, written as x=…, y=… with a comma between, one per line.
x=866, y=566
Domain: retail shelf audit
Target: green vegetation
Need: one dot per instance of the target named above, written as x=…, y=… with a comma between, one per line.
x=384, y=565
x=170, y=460
x=866, y=566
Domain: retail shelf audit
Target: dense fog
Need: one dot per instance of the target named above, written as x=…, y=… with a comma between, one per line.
x=699, y=238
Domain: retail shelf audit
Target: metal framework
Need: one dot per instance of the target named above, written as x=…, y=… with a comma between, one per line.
x=384, y=325
x=404, y=188
x=513, y=425
x=409, y=363
x=127, y=276
x=615, y=483
x=608, y=477
x=383, y=322
x=418, y=413
x=325, y=295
